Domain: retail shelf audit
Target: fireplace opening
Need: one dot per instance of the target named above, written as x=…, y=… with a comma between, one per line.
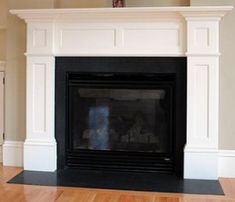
x=125, y=114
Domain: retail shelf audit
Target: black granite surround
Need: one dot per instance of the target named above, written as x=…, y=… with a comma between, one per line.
x=121, y=93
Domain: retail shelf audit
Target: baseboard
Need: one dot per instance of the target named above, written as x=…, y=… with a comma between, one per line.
x=13, y=153
x=227, y=163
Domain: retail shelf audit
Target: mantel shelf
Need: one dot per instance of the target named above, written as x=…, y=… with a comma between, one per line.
x=127, y=12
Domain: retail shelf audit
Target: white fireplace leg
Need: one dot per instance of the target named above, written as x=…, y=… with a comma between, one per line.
x=201, y=151
x=40, y=145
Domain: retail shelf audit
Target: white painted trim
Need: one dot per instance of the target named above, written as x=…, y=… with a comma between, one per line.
x=203, y=163
x=13, y=153
x=200, y=163
x=131, y=12
x=227, y=163
x=40, y=156
x=2, y=65
x=105, y=55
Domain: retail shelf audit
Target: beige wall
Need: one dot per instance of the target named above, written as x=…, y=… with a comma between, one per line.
x=227, y=74
x=2, y=44
x=108, y=3
x=15, y=72
x=3, y=11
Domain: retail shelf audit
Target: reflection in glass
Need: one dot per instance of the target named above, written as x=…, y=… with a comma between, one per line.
x=119, y=119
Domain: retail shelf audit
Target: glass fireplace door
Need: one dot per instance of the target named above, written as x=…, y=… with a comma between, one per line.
x=114, y=119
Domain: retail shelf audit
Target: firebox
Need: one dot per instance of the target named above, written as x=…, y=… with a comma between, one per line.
x=121, y=113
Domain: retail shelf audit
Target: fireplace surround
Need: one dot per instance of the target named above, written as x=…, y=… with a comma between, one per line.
x=121, y=113
x=190, y=32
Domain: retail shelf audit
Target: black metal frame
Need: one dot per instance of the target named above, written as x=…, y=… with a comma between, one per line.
x=126, y=72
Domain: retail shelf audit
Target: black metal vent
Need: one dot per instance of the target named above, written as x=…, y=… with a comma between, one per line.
x=120, y=161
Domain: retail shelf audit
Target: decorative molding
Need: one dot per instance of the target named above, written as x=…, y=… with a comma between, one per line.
x=123, y=13
x=203, y=36
x=227, y=163
x=13, y=153
x=105, y=54
x=40, y=36
x=156, y=38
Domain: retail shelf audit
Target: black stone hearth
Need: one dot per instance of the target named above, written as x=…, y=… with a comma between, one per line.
x=124, y=181
x=121, y=113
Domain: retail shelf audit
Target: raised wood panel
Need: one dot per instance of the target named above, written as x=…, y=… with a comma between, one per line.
x=39, y=97
x=40, y=36
x=160, y=40
x=120, y=38
x=203, y=37
x=86, y=39
x=199, y=75
x=202, y=107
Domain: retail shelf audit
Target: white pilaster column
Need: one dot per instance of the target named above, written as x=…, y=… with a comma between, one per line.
x=40, y=145
x=201, y=150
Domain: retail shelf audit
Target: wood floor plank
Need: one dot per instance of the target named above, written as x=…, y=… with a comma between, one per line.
x=28, y=193
x=228, y=186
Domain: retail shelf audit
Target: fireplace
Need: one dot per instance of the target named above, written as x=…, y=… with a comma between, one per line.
x=121, y=113
x=106, y=42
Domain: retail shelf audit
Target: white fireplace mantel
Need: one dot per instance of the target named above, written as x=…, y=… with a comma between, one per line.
x=160, y=31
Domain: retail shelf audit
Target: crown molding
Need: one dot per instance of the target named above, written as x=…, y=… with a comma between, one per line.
x=133, y=12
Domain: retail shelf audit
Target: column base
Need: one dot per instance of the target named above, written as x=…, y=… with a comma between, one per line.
x=200, y=163
x=40, y=156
